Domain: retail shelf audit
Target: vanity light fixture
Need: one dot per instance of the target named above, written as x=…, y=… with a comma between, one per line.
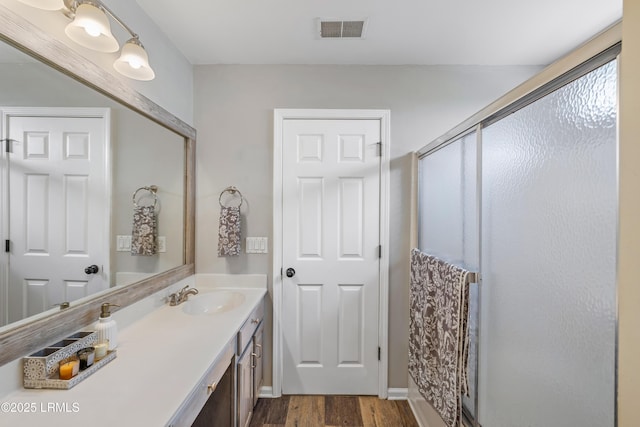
x=134, y=61
x=90, y=28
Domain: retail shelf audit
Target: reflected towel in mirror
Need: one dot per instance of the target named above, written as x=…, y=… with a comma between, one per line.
x=229, y=231
x=144, y=237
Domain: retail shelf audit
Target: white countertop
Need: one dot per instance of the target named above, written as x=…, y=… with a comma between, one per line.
x=161, y=358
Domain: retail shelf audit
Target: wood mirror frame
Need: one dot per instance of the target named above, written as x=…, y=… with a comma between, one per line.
x=28, y=337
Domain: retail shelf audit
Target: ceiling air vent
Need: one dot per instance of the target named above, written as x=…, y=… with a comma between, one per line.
x=338, y=29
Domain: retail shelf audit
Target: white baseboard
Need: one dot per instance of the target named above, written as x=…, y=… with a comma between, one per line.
x=419, y=420
x=266, y=392
x=425, y=414
x=397, y=394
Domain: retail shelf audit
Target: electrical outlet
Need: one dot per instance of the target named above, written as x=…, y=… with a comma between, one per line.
x=162, y=244
x=123, y=243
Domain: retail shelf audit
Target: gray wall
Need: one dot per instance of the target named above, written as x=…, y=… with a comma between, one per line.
x=234, y=114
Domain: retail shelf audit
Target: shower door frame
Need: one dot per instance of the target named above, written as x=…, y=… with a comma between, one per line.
x=596, y=52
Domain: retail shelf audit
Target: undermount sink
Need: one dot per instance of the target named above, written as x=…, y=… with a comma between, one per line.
x=212, y=302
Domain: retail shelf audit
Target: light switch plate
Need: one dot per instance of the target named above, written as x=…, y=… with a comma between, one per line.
x=257, y=245
x=123, y=243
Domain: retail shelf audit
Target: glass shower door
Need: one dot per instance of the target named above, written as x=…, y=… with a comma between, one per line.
x=448, y=226
x=549, y=210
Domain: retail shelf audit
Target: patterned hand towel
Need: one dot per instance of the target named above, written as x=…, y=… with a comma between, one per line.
x=438, y=336
x=229, y=231
x=144, y=238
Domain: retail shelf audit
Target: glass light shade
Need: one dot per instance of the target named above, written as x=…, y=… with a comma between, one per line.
x=90, y=28
x=134, y=61
x=45, y=4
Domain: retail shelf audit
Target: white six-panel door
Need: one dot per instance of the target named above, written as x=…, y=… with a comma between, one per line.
x=331, y=203
x=57, y=204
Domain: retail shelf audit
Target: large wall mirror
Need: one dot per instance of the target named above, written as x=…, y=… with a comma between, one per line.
x=83, y=151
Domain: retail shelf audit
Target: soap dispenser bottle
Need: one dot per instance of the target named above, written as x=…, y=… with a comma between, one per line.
x=106, y=327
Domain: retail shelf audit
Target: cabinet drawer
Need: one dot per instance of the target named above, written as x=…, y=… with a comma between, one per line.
x=199, y=395
x=249, y=327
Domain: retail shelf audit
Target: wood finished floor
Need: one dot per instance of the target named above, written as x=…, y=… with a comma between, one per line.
x=319, y=411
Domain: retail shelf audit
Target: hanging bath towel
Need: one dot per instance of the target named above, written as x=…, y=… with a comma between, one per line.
x=229, y=231
x=438, y=335
x=144, y=238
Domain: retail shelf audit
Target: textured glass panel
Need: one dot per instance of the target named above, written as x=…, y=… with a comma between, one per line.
x=447, y=203
x=448, y=226
x=548, y=260
x=440, y=205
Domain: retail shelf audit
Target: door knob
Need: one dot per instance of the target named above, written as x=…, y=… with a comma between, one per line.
x=92, y=269
x=290, y=272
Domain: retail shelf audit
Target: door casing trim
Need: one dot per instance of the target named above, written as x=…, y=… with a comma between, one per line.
x=279, y=116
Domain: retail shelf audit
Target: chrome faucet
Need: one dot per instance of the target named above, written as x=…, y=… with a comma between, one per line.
x=182, y=295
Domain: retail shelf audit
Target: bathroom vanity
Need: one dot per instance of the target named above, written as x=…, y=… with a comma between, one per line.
x=198, y=363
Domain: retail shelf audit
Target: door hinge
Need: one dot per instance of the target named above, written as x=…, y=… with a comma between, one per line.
x=7, y=145
x=7, y=245
x=379, y=353
x=379, y=251
x=379, y=149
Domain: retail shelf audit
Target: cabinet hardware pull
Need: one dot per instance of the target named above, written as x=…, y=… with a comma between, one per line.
x=255, y=321
x=212, y=387
x=259, y=346
x=252, y=360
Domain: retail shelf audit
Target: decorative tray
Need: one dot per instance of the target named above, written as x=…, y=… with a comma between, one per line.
x=41, y=369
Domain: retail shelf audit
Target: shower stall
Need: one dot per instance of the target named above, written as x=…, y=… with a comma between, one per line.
x=527, y=196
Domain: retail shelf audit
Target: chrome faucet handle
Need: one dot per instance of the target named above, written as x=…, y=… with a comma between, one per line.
x=173, y=299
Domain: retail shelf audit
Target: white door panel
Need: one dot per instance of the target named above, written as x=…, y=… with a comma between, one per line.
x=57, y=204
x=331, y=223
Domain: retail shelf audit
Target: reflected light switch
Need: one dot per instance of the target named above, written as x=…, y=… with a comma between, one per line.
x=123, y=243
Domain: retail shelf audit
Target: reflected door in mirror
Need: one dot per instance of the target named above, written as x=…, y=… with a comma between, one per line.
x=58, y=210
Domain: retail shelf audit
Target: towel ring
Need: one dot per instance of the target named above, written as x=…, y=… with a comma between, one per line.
x=153, y=189
x=233, y=191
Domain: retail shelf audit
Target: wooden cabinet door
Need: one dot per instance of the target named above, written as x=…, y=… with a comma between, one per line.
x=257, y=363
x=245, y=388
x=218, y=410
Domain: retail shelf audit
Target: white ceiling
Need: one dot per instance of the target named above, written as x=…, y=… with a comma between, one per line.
x=469, y=32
